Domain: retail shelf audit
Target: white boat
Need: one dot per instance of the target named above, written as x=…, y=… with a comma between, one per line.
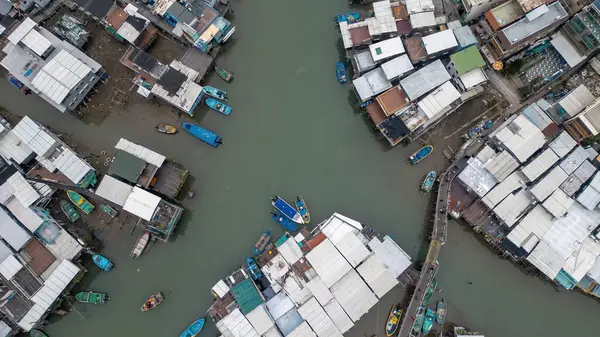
x=228, y=35
x=140, y=245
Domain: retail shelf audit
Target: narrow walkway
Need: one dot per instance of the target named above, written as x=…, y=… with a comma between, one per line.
x=506, y=87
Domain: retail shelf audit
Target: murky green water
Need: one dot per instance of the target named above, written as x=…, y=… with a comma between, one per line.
x=292, y=132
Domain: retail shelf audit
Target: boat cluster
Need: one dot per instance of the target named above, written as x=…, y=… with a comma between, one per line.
x=215, y=99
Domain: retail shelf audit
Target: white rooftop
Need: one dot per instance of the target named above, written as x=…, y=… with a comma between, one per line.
x=574, y=160
x=521, y=137
x=382, y=8
x=501, y=165
x=514, y=206
x=558, y=203
x=386, y=48
x=440, y=41
x=354, y=295
x=425, y=79
x=499, y=192
x=416, y=6
x=381, y=25
x=532, y=226
x=476, y=177
x=540, y=164
x=141, y=152
x=114, y=190
x=422, y=19
x=329, y=264
x=542, y=189
x=563, y=144
x=37, y=138
x=141, y=203
x=372, y=83
x=583, y=258
x=438, y=100
x=11, y=147
x=397, y=67
x=566, y=50
x=574, y=102
x=473, y=78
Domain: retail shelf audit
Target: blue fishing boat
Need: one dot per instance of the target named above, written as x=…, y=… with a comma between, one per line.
x=366, y=103
x=284, y=221
x=253, y=269
x=204, y=135
x=102, y=262
x=263, y=241
x=287, y=210
x=214, y=92
x=340, y=71
x=428, y=182
x=421, y=154
x=429, y=320
x=194, y=329
x=218, y=106
x=441, y=311
x=302, y=209
x=348, y=16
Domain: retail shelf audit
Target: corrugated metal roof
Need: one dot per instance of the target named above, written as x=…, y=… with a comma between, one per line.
x=220, y=289
x=439, y=99
x=476, y=177
x=11, y=147
x=114, y=190
x=582, y=259
x=386, y=48
x=141, y=203
x=364, y=61
x=139, y=151
x=5, y=252
x=589, y=198
x=273, y=332
x=397, y=67
x=393, y=257
x=318, y=320
x=558, y=203
x=502, y=165
x=563, y=144
x=5, y=330
x=509, y=185
x=382, y=8
x=540, y=164
x=372, y=83
x=22, y=190
x=69, y=164
x=260, y=319
x=319, y=290
x=32, y=134
x=425, y=79
x=246, y=295
x=577, y=178
x=352, y=249
x=473, y=78
x=440, y=41
x=64, y=247
x=566, y=49
x=303, y=330
x=289, y=322
x=574, y=160
x=381, y=25
x=549, y=183
x=576, y=100
x=279, y=305
x=290, y=251
x=25, y=215
x=378, y=277
x=338, y=316
x=128, y=32
x=521, y=137
x=11, y=232
x=33, y=315
x=345, y=32
x=547, y=260
x=423, y=19
x=337, y=226
x=10, y=267
x=416, y=6
x=513, y=206
x=537, y=116
x=236, y=325
x=328, y=262
x=296, y=289
x=19, y=33
x=36, y=42
x=464, y=35
x=354, y=295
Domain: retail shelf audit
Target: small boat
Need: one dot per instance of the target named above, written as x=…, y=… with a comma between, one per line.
x=92, y=297
x=340, y=72
x=421, y=154
x=140, y=245
x=204, y=135
x=80, y=202
x=428, y=182
x=218, y=106
x=109, y=210
x=366, y=103
x=69, y=210
x=37, y=333
x=154, y=301
x=214, y=92
x=488, y=124
x=428, y=321
x=263, y=241
x=253, y=269
x=348, y=16
x=429, y=292
x=440, y=317
x=284, y=221
x=224, y=74
x=166, y=128
x=102, y=262
x=302, y=209
x=194, y=329
x=287, y=210
x=393, y=321
x=418, y=323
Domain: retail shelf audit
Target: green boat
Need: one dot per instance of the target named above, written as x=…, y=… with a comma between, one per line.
x=92, y=297
x=69, y=210
x=418, y=325
x=37, y=333
x=429, y=292
x=80, y=202
x=109, y=210
x=224, y=74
